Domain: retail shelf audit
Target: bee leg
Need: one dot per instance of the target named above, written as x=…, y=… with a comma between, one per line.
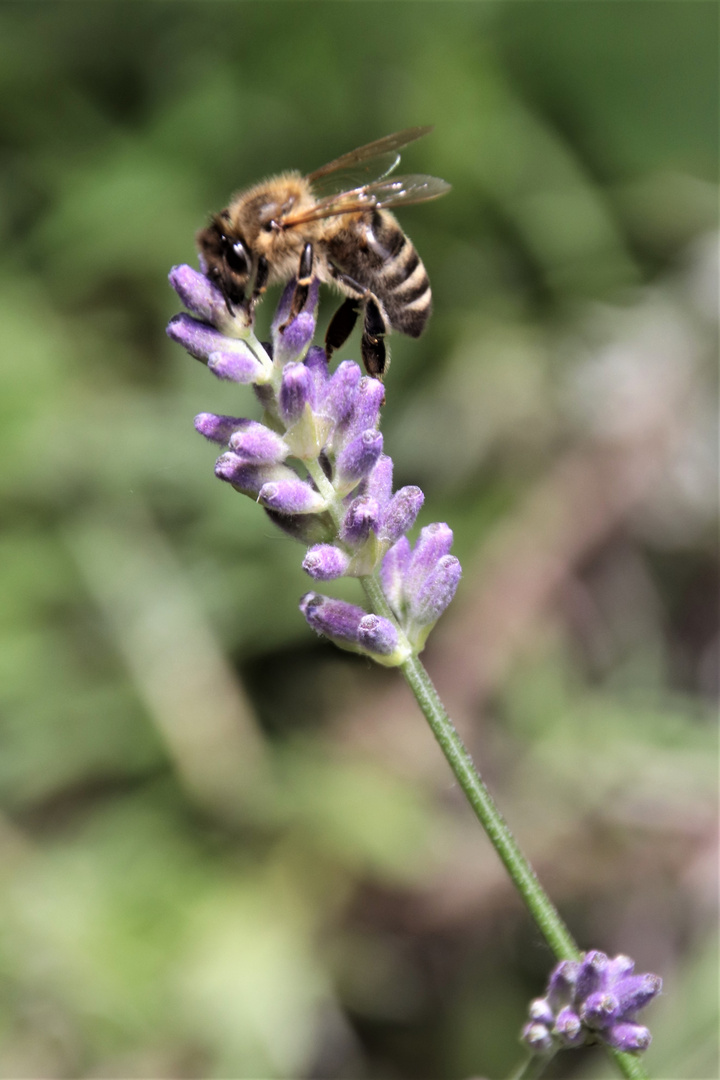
x=302, y=287
x=341, y=324
x=372, y=344
x=261, y=276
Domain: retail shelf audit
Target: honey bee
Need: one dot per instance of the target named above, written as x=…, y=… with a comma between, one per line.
x=333, y=224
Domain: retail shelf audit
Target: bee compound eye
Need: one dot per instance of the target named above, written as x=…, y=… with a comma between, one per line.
x=236, y=257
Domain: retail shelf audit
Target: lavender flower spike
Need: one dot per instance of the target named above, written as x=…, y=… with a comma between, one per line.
x=593, y=1000
x=315, y=463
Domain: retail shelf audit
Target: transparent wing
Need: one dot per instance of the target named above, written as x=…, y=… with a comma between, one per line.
x=367, y=163
x=396, y=191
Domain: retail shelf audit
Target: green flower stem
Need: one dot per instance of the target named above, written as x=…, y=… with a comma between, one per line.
x=538, y=902
x=541, y=908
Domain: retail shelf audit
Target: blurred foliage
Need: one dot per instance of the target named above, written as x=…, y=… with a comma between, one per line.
x=227, y=850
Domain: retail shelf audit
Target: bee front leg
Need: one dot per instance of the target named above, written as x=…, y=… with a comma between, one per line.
x=260, y=284
x=302, y=288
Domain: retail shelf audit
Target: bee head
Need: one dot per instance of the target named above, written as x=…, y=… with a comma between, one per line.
x=228, y=260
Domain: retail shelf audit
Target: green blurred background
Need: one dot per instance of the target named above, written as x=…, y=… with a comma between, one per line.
x=227, y=849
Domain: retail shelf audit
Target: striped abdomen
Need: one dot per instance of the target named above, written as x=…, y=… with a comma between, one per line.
x=382, y=258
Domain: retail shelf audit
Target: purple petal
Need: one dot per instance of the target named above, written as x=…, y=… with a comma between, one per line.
x=325, y=562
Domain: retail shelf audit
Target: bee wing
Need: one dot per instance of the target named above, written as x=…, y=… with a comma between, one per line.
x=396, y=191
x=371, y=162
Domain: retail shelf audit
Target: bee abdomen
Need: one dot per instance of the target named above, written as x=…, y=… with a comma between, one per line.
x=405, y=289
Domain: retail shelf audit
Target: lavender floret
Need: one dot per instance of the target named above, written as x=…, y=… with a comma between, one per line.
x=358, y=458
x=257, y=443
x=325, y=562
x=592, y=1000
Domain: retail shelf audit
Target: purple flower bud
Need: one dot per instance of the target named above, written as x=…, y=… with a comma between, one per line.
x=218, y=428
x=335, y=619
x=249, y=477
x=377, y=635
x=340, y=391
x=540, y=1011
x=597, y=998
x=255, y=442
x=561, y=986
x=317, y=364
x=392, y=573
x=292, y=342
x=433, y=542
x=357, y=459
x=291, y=496
x=325, y=562
x=591, y=976
x=378, y=483
x=635, y=991
x=295, y=392
x=428, y=603
x=197, y=337
x=366, y=408
x=537, y=1038
x=361, y=516
x=628, y=1037
x=600, y=1009
x=401, y=513
x=238, y=367
x=619, y=967
x=199, y=295
x=568, y=1027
